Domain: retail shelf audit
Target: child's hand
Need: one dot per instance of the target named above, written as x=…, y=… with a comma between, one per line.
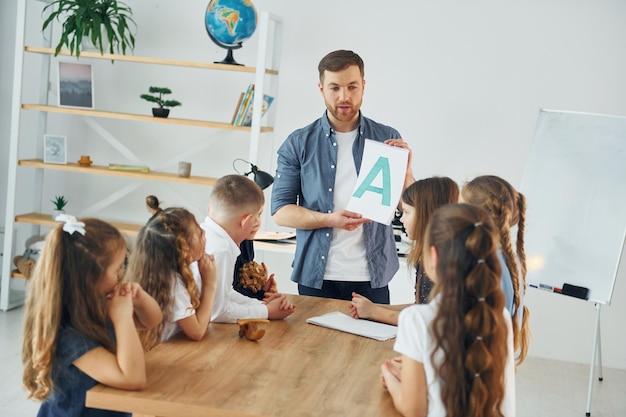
x=361, y=307
x=269, y=296
x=119, y=305
x=279, y=307
x=133, y=289
x=391, y=371
x=208, y=271
x=270, y=282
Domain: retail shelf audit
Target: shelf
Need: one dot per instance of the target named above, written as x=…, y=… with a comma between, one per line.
x=104, y=170
x=40, y=219
x=145, y=60
x=140, y=117
x=17, y=274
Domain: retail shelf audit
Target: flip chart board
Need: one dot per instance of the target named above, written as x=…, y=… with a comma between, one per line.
x=575, y=188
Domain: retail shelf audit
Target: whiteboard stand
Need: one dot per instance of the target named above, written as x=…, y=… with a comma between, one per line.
x=596, y=352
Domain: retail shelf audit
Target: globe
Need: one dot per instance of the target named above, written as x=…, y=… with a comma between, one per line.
x=229, y=23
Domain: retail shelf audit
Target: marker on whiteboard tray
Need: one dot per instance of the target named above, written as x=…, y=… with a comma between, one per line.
x=546, y=287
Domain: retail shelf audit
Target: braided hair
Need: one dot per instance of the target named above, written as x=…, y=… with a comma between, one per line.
x=162, y=255
x=507, y=208
x=469, y=326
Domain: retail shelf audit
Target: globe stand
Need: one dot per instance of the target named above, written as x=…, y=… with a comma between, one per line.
x=229, y=60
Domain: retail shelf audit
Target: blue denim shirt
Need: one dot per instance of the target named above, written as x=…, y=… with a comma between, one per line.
x=305, y=175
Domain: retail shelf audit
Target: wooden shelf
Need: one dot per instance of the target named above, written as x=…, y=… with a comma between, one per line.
x=40, y=219
x=140, y=117
x=17, y=274
x=104, y=170
x=145, y=60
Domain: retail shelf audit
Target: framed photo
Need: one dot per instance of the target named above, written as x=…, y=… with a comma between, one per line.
x=75, y=85
x=54, y=149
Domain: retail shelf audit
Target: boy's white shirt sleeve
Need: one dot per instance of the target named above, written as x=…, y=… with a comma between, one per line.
x=230, y=305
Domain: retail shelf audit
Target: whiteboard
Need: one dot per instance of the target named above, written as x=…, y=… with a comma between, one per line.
x=575, y=188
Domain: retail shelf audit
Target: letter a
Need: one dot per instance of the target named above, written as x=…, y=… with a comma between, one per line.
x=381, y=165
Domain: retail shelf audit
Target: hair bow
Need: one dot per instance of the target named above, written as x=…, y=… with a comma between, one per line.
x=71, y=225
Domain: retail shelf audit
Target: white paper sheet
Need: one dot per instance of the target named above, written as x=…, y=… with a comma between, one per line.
x=380, y=182
x=342, y=322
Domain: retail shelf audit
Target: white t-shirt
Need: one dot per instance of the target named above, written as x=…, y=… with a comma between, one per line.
x=347, y=259
x=415, y=341
x=182, y=302
x=229, y=305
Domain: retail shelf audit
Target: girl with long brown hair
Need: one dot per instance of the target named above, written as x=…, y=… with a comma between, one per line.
x=507, y=208
x=418, y=203
x=169, y=261
x=457, y=351
x=79, y=324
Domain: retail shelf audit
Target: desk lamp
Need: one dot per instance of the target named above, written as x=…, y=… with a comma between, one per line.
x=262, y=178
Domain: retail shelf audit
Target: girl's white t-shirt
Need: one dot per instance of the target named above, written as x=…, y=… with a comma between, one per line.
x=182, y=302
x=415, y=341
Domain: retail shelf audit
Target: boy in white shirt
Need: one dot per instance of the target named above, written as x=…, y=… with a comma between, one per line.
x=235, y=209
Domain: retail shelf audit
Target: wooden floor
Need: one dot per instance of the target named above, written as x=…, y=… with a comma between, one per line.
x=545, y=388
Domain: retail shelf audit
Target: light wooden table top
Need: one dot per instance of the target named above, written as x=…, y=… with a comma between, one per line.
x=296, y=369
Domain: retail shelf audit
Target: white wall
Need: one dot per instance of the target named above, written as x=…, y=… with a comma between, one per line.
x=462, y=81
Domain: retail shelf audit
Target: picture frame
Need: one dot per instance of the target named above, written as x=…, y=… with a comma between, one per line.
x=75, y=85
x=54, y=149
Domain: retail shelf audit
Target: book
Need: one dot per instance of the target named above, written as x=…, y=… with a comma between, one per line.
x=344, y=323
x=244, y=103
x=135, y=168
x=247, y=116
x=232, y=122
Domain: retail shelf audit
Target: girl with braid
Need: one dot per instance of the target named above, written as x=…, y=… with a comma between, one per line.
x=507, y=208
x=170, y=263
x=457, y=351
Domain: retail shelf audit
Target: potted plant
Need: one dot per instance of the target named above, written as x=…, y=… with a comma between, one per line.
x=103, y=22
x=59, y=205
x=160, y=111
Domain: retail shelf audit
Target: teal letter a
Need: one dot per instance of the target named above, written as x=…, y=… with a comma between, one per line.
x=382, y=164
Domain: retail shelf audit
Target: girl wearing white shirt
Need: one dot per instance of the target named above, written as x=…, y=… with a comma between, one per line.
x=457, y=355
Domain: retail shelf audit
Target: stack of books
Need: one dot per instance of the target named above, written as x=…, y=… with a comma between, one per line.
x=243, y=110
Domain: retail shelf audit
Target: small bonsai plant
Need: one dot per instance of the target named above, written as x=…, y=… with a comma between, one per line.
x=160, y=111
x=59, y=203
x=97, y=20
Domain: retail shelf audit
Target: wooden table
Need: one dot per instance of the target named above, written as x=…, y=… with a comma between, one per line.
x=296, y=369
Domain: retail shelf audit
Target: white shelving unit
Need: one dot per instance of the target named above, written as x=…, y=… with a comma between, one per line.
x=267, y=63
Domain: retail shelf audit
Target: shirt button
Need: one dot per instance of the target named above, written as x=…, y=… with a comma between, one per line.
x=332, y=167
x=323, y=257
x=327, y=234
x=277, y=175
x=330, y=190
x=329, y=211
x=334, y=143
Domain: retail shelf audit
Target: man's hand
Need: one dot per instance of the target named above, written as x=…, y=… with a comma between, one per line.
x=346, y=220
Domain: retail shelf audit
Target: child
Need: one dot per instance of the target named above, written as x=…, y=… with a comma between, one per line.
x=79, y=327
x=507, y=208
x=419, y=201
x=235, y=209
x=170, y=263
x=457, y=351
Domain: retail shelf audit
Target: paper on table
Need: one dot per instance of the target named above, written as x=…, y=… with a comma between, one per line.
x=287, y=237
x=340, y=321
x=380, y=182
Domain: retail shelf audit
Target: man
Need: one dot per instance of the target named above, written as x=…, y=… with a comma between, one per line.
x=338, y=251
